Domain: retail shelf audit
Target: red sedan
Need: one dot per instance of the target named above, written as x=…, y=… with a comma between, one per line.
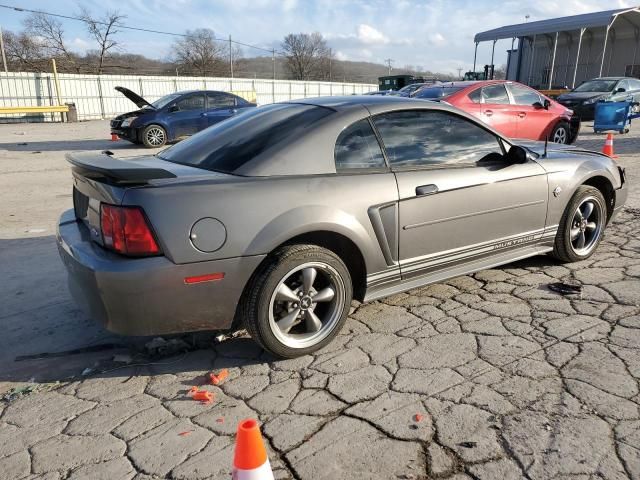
x=511, y=108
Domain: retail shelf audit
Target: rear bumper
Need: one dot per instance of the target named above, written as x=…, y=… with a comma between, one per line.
x=148, y=296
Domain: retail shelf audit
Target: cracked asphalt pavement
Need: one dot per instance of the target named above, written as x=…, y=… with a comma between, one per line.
x=485, y=376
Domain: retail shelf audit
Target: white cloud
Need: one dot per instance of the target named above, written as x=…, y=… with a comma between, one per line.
x=368, y=35
x=340, y=55
x=437, y=39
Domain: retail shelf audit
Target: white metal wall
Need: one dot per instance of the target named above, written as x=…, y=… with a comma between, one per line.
x=95, y=97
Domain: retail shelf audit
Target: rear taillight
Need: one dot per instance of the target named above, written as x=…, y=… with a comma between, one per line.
x=125, y=230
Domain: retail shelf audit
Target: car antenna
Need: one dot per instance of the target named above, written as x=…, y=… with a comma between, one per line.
x=546, y=142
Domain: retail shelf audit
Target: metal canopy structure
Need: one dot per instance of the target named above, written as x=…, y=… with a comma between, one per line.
x=553, y=28
x=553, y=25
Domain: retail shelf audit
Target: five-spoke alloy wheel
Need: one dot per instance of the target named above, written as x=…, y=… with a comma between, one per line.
x=298, y=301
x=581, y=226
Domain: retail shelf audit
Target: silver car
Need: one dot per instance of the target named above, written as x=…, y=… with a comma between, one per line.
x=276, y=219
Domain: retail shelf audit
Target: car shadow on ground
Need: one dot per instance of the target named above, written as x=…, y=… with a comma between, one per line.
x=24, y=145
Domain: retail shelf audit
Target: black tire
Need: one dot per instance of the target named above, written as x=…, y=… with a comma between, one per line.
x=564, y=249
x=561, y=133
x=256, y=305
x=153, y=136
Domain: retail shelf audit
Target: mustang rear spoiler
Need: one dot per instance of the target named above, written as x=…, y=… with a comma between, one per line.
x=104, y=168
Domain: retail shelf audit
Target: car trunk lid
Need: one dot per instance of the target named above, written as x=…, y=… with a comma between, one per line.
x=100, y=178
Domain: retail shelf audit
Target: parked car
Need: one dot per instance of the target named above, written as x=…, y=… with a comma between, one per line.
x=175, y=115
x=582, y=99
x=275, y=219
x=513, y=109
x=407, y=90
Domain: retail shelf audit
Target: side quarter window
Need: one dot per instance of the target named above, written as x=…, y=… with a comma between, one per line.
x=357, y=148
x=423, y=138
x=475, y=95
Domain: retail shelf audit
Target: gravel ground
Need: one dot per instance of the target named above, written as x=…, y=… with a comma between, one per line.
x=508, y=379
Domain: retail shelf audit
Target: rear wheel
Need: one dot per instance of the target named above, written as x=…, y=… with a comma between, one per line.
x=154, y=136
x=561, y=133
x=581, y=226
x=298, y=301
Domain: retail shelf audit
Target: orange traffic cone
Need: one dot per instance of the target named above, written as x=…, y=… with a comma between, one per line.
x=114, y=137
x=250, y=460
x=608, y=146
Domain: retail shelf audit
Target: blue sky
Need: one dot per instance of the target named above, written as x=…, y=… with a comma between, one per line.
x=436, y=35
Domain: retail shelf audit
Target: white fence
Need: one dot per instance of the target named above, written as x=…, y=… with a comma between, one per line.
x=95, y=97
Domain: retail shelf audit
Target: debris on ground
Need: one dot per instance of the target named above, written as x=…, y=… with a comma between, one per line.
x=467, y=444
x=86, y=371
x=565, y=288
x=185, y=433
x=201, y=396
x=219, y=378
x=418, y=417
x=19, y=392
x=220, y=420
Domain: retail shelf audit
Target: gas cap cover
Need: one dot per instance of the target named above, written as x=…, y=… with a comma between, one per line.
x=208, y=234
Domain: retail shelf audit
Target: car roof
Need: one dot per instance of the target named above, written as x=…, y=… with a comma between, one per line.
x=338, y=103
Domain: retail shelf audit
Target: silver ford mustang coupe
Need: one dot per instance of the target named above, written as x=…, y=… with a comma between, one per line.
x=276, y=219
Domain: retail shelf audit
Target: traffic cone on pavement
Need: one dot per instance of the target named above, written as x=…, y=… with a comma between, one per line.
x=250, y=461
x=608, y=146
x=114, y=137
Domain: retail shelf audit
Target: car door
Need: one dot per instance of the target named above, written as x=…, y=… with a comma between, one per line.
x=496, y=109
x=460, y=200
x=186, y=115
x=220, y=106
x=532, y=119
x=622, y=92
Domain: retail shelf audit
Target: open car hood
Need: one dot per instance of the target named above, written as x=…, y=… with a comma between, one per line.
x=134, y=97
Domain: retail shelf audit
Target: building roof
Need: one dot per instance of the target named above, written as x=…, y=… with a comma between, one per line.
x=562, y=24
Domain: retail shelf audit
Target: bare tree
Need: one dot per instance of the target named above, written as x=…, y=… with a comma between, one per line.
x=199, y=52
x=307, y=55
x=103, y=30
x=23, y=53
x=48, y=33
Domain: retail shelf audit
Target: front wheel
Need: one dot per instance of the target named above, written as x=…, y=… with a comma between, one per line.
x=561, y=133
x=154, y=136
x=582, y=225
x=298, y=301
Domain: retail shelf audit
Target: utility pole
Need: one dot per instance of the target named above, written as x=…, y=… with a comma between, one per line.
x=388, y=61
x=230, y=56
x=4, y=58
x=330, y=55
x=273, y=83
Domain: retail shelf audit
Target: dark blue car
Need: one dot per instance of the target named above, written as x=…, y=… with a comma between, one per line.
x=175, y=115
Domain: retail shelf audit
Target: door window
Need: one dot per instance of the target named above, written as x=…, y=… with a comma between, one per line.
x=431, y=138
x=495, y=94
x=220, y=100
x=524, y=96
x=357, y=147
x=634, y=84
x=623, y=84
x=192, y=102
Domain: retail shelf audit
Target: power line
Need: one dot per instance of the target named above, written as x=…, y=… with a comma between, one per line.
x=126, y=27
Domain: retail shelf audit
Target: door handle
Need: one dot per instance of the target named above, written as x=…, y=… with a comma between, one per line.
x=522, y=114
x=488, y=113
x=426, y=190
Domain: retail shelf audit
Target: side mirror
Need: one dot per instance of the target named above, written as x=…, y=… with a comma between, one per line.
x=516, y=154
x=620, y=90
x=174, y=108
x=537, y=105
x=546, y=104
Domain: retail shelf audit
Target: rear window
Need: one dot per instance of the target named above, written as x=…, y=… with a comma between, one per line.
x=437, y=92
x=230, y=144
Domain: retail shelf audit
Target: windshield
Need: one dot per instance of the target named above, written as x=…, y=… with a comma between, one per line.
x=436, y=92
x=596, y=86
x=410, y=88
x=164, y=101
x=229, y=145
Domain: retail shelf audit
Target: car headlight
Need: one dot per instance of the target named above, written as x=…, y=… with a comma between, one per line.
x=128, y=121
x=592, y=100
